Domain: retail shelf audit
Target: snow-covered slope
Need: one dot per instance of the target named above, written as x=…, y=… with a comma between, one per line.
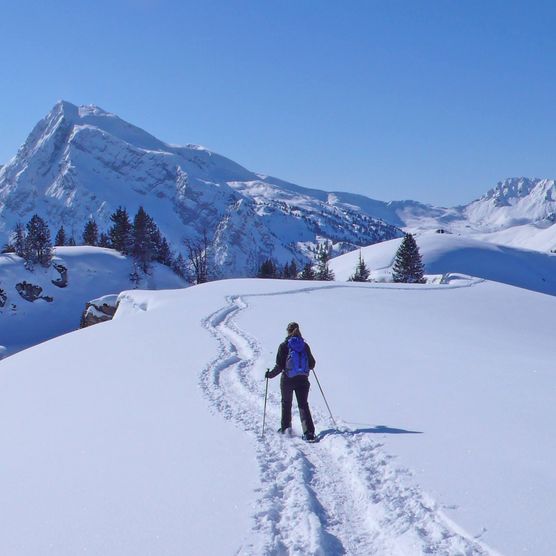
x=142, y=435
x=82, y=162
x=91, y=272
x=446, y=253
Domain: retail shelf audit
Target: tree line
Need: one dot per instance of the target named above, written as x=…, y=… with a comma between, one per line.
x=290, y=271
x=140, y=239
x=408, y=266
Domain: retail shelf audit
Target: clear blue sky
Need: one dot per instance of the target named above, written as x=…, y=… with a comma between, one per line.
x=428, y=100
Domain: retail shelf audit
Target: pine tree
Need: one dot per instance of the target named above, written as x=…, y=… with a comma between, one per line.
x=104, y=240
x=293, y=270
x=408, y=265
x=18, y=240
x=143, y=247
x=289, y=271
x=286, y=271
x=307, y=273
x=267, y=269
x=361, y=273
x=38, y=245
x=164, y=253
x=71, y=242
x=90, y=233
x=120, y=232
x=323, y=270
x=60, y=239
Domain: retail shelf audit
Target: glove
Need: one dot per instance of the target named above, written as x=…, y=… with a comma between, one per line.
x=267, y=374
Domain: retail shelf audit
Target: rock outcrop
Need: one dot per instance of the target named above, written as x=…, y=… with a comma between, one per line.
x=61, y=282
x=31, y=292
x=99, y=310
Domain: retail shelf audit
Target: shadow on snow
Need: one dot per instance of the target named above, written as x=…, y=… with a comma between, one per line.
x=378, y=429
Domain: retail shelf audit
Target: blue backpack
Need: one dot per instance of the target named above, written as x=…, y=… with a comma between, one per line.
x=297, y=362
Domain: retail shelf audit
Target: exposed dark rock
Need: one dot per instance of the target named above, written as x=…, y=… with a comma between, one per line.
x=99, y=310
x=61, y=282
x=31, y=293
x=3, y=298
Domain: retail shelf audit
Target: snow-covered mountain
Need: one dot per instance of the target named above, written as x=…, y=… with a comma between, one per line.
x=142, y=435
x=82, y=162
x=513, y=203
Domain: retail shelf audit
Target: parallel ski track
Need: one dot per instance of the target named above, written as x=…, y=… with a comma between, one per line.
x=341, y=496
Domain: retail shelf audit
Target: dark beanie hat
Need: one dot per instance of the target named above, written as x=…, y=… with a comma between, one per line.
x=293, y=329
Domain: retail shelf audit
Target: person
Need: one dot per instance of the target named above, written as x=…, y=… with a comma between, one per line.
x=294, y=360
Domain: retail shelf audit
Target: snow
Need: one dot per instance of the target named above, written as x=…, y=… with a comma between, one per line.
x=110, y=300
x=442, y=393
x=83, y=162
x=447, y=253
x=92, y=272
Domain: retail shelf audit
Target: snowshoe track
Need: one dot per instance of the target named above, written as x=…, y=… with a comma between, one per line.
x=340, y=496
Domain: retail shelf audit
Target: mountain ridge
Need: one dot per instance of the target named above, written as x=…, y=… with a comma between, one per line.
x=83, y=161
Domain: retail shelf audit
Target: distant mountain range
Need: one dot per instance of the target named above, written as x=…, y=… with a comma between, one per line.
x=82, y=162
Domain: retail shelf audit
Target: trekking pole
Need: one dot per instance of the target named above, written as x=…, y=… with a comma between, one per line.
x=324, y=397
x=265, y=396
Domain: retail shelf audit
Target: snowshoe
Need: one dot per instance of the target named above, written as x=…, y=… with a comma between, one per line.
x=310, y=437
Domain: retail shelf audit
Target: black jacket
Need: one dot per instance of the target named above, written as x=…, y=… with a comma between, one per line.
x=282, y=355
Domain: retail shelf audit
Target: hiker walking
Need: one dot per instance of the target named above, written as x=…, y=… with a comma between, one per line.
x=294, y=360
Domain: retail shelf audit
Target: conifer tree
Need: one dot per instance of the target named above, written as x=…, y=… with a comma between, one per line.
x=323, y=270
x=104, y=240
x=71, y=242
x=38, y=245
x=408, y=265
x=143, y=247
x=290, y=270
x=120, y=233
x=293, y=270
x=307, y=273
x=90, y=233
x=267, y=269
x=361, y=273
x=60, y=239
x=164, y=253
x=19, y=240
x=286, y=271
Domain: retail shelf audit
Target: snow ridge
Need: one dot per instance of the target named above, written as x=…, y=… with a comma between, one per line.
x=341, y=496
